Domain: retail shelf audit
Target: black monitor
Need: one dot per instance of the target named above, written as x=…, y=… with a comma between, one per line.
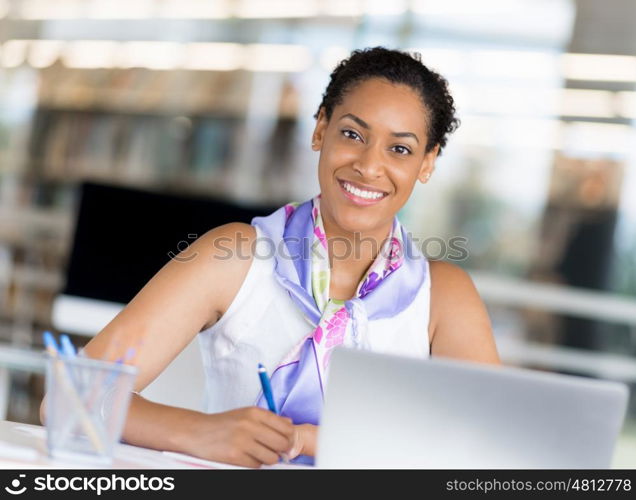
x=123, y=236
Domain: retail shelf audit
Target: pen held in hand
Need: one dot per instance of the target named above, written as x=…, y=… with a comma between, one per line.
x=269, y=397
x=267, y=388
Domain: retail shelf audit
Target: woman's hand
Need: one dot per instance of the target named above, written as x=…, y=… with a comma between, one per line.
x=305, y=436
x=249, y=437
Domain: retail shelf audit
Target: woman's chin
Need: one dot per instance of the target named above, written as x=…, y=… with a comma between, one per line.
x=355, y=223
x=353, y=219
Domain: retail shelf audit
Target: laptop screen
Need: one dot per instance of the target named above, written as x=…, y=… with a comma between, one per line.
x=123, y=236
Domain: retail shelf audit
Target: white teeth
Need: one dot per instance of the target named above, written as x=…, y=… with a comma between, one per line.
x=370, y=195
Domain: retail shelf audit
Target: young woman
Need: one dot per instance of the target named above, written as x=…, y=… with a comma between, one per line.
x=343, y=272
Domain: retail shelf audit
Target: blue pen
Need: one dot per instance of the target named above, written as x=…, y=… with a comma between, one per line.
x=55, y=350
x=50, y=344
x=267, y=388
x=68, y=349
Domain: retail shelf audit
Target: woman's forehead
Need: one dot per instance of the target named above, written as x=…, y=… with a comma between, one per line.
x=378, y=100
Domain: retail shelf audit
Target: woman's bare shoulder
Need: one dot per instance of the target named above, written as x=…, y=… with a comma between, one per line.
x=447, y=275
x=232, y=242
x=459, y=325
x=227, y=252
x=451, y=287
x=202, y=280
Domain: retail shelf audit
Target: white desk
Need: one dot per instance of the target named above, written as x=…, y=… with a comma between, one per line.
x=23, y=446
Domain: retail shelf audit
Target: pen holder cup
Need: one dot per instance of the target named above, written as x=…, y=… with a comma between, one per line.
x=87, y=402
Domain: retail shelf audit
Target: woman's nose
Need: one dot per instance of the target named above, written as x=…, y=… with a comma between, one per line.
x=370, y=164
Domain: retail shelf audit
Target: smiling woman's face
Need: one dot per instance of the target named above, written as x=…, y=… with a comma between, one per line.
x=372, y=151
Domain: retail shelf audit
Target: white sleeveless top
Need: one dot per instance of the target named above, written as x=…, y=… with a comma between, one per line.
x=263, y=324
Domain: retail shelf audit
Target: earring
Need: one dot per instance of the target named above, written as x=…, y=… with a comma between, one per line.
x=428, y=176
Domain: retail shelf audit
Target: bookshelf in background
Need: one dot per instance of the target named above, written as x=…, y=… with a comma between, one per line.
x=173, y=131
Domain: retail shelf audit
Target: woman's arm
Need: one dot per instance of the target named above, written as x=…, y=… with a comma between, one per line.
x=248, y=436
x=459, y=325
x=187, y=295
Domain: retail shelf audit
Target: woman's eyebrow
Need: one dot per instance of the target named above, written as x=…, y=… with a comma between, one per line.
x=364, y=124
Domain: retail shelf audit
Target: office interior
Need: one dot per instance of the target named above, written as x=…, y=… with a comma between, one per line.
x=214, y=101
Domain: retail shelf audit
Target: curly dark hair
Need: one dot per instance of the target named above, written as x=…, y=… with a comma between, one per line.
x=400, y=68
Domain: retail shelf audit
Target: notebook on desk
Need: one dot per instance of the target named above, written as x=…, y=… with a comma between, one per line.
x=391, y=412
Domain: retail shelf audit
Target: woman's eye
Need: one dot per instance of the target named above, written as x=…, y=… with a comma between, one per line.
x=350, y=134
x=403, y=150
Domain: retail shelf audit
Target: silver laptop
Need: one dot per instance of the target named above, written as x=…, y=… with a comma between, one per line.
x=385, y=411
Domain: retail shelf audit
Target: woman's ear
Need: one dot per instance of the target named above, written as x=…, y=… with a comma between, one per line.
x=428, y=165
x=319, y=130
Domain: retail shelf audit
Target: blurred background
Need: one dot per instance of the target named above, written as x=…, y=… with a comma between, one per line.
x=214, y=100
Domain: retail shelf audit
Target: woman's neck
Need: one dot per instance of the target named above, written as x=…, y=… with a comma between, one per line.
x=353, y=251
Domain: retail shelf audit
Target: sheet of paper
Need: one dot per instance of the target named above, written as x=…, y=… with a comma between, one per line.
x=199, y=462
x=32, y=430
x=208, y=464
x=13, y=451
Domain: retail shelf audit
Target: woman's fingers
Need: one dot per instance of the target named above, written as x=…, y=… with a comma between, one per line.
x=247, y=436
x=247, y=460
x=272, y=439
x=297, y=445
x=283, y=425
x=262, y=454
x=262, y=435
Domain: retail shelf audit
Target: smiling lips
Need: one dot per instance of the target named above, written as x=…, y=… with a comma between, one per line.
x=360, y=195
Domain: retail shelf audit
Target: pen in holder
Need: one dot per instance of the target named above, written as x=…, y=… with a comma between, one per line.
x=86, y=406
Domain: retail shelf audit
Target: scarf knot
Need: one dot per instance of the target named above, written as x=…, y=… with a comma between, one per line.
x=359, y=323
